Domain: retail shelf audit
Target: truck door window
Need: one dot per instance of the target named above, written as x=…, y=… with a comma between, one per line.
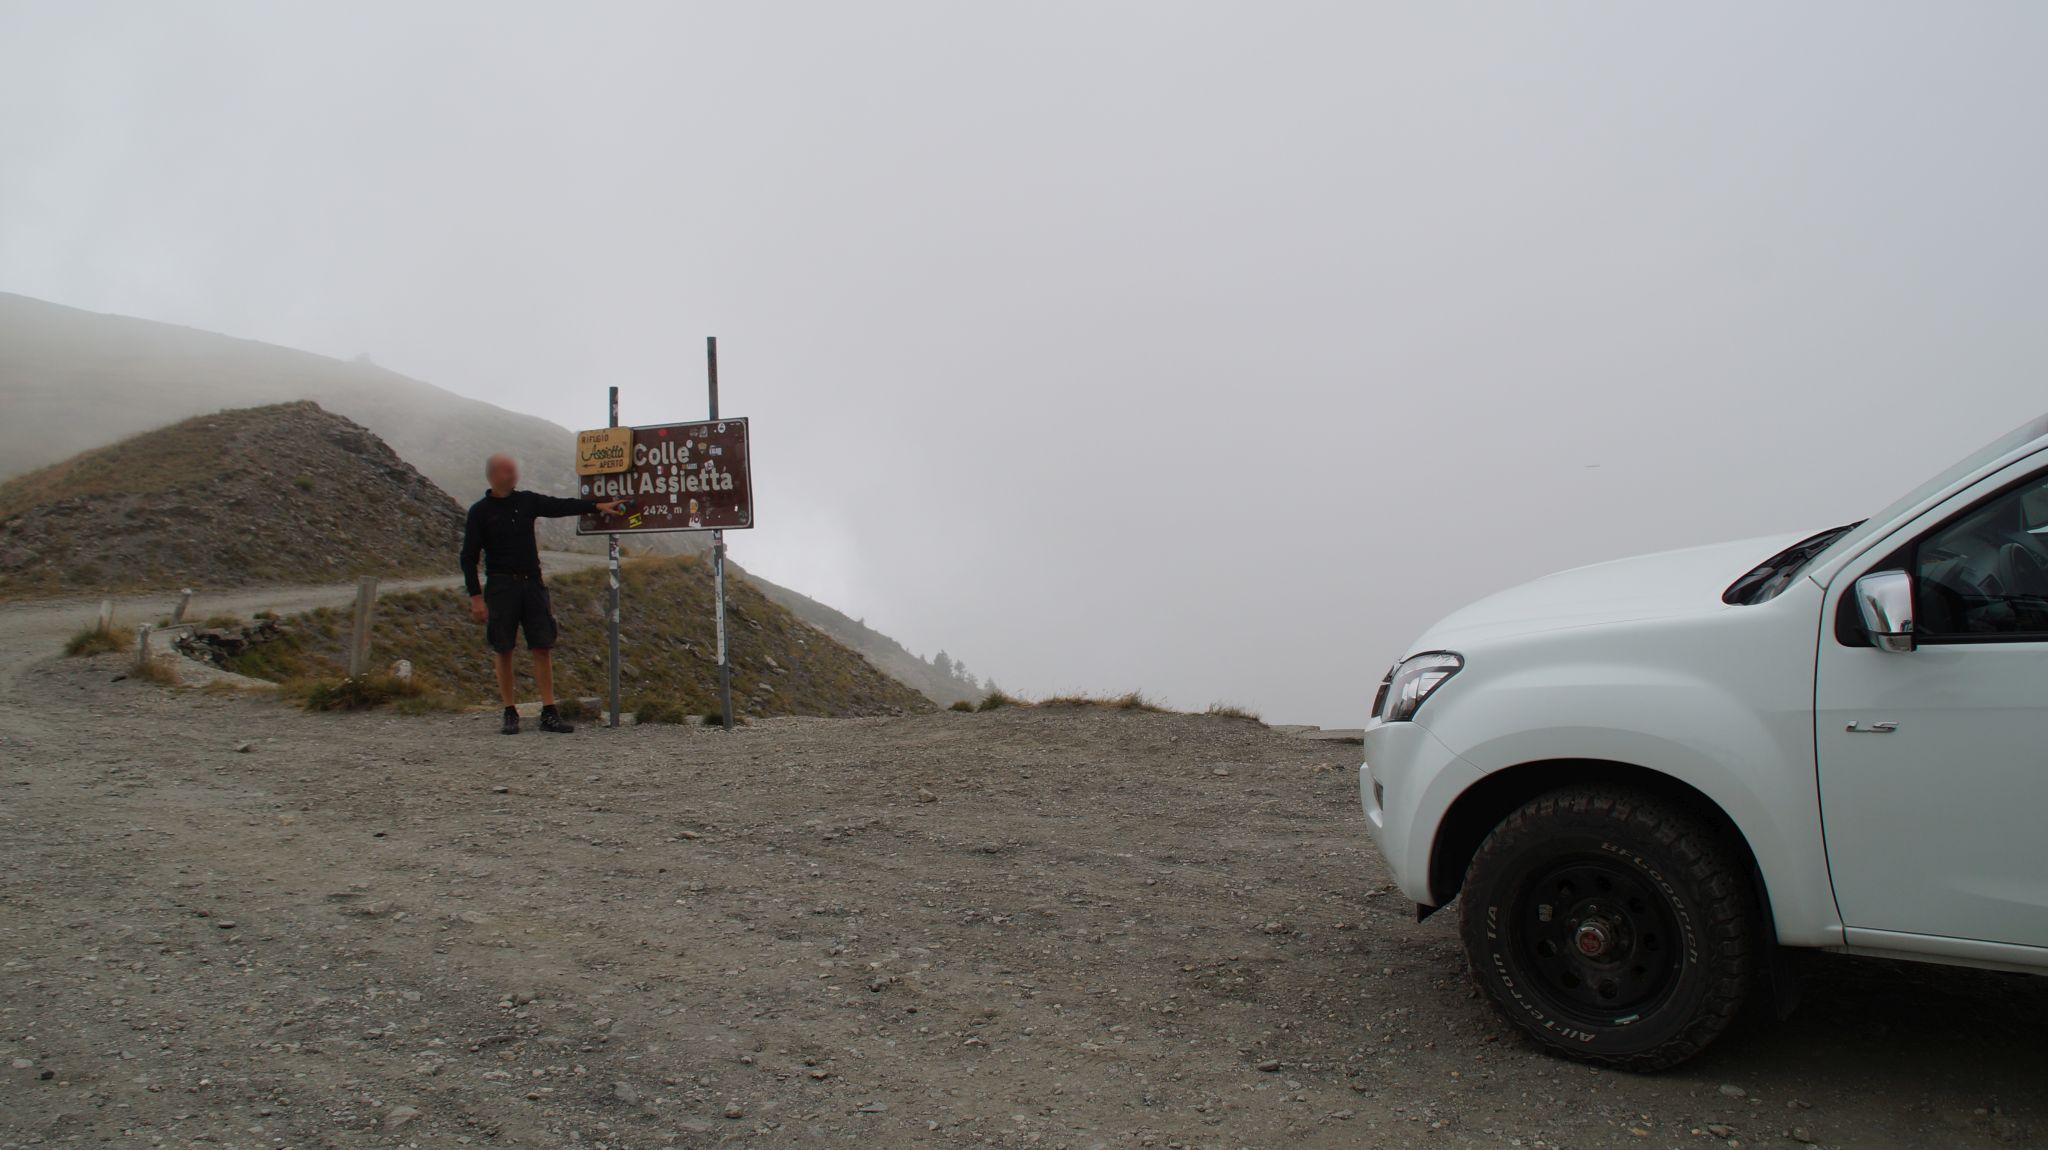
x=1984, y=573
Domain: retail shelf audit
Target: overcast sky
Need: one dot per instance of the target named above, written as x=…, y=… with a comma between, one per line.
x=1213, y=349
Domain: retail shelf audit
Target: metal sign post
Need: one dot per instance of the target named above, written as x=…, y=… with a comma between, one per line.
x=678, y=477
x=718, y=560
x=613, y=539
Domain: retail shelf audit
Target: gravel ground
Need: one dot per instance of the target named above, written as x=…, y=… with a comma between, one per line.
x=1049, y=929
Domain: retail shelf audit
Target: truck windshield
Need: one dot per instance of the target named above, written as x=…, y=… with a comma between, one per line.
x=1777, y=573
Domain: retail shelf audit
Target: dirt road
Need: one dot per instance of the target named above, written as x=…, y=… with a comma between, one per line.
x=1015, y=929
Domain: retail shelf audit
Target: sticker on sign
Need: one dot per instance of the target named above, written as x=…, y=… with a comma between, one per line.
x=604, y=451
x=678, y=476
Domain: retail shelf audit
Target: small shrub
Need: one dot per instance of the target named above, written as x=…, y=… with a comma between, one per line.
x=966, y=706
x=998, y=699
x=574, y=710
x=656, y=709
x=222, y=622
x=1223, y=710
x=303, y=483
x=94, y=641
x=363, y=693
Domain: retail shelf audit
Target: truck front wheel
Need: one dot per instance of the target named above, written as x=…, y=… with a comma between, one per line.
x=1612, y=926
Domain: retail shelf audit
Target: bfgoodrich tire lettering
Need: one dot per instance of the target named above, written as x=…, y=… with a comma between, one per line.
x=1612, y=926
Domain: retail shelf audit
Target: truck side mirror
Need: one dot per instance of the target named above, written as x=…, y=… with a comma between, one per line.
x=1885, y=599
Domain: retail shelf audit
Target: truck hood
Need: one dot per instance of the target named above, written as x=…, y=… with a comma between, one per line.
x=1659, y=586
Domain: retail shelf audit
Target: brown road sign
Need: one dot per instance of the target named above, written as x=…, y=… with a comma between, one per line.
x=680, y=477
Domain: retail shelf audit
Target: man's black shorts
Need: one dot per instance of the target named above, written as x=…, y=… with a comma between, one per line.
x=515, y=604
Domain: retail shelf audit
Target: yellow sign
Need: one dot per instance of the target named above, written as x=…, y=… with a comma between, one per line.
x=604, y=451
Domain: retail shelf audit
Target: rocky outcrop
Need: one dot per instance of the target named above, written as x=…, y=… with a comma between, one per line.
x=220, y=646
x=288, y=493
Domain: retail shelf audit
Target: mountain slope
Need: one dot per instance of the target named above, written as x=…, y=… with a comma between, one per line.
x=72, y=380
x=884, y=652
x=282, y=494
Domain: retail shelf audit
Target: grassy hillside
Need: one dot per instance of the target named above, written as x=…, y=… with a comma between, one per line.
x=282, y=494
x=781, y=665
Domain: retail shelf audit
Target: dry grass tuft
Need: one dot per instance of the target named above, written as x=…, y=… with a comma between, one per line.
x=1128, y=701
x=1135, y=701
x=162, y=672
x=1223, y=710
x=1074, y=699
x=94, y=641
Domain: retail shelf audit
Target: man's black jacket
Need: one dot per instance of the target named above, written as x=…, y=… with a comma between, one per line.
x=501, y=530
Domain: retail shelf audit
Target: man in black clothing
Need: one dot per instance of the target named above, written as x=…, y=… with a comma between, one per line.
x=500, y=529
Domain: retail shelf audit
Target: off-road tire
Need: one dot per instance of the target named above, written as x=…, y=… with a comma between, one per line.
x=1689, y=965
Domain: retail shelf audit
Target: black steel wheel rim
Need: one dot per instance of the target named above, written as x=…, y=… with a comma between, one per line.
x=1598, y=939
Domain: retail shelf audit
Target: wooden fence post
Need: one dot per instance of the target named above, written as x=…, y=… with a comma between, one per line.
x=106, y=615
x=142, y=643
x=184, y=602
x=359, y=634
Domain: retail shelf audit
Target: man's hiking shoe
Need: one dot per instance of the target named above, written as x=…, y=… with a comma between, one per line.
x=551, y=722
x=511, y=725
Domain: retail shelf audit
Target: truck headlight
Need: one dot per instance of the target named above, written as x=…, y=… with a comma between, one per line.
x=1413, y=680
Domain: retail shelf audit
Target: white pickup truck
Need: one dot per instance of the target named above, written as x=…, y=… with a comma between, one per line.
x=1642, y=778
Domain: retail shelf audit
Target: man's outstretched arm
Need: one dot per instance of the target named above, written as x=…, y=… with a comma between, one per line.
x=555, y=507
